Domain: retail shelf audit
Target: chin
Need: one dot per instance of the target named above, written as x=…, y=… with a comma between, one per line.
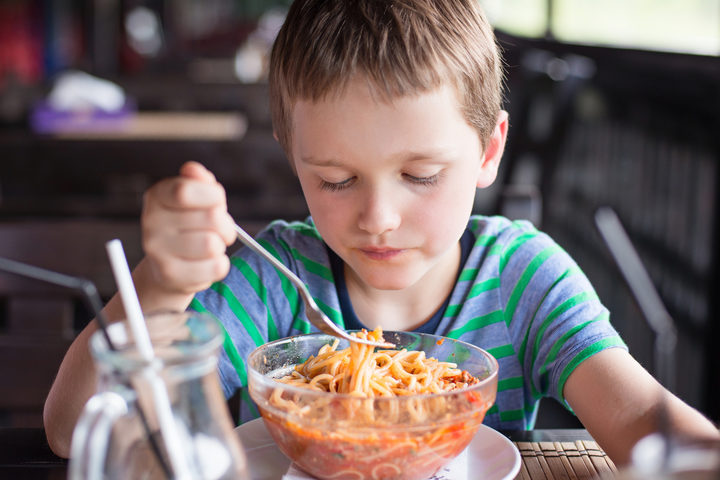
x=389, y=280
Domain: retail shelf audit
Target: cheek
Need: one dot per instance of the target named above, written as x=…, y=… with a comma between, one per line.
x=445, y=214
x=329, y=213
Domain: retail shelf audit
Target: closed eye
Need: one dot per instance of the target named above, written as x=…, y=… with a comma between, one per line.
x=425, y=181
x=336, y=186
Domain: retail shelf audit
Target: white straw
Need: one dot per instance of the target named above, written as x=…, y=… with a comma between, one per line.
x=135, y=317
x=129, y=298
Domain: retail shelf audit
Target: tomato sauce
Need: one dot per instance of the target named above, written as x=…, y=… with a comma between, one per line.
x=394, y=453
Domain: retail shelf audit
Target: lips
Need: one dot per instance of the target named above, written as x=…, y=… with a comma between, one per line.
x=381, y=253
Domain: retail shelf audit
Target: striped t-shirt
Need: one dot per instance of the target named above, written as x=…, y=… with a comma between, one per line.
x=519, y=296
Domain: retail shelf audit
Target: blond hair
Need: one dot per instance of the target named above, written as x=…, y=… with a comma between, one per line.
x=400, y=47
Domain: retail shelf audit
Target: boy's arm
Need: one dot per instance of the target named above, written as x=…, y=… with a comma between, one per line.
x=185, y=228
x=619, y=402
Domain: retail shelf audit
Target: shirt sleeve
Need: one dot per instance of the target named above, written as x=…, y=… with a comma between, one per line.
x=552, y=307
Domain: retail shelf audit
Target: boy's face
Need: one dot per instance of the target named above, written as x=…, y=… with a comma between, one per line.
x=390, y=186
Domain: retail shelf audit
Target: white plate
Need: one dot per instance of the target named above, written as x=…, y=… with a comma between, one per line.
x=491, y=455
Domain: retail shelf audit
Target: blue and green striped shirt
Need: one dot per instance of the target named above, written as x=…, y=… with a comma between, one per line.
x=519, y=296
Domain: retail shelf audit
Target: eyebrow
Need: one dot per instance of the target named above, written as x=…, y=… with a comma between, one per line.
x=321, y=162
x=406, y=156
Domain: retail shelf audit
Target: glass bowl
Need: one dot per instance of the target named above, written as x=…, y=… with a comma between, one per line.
x=343, y=437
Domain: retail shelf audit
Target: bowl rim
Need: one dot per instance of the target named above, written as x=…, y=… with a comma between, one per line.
x=492, y=377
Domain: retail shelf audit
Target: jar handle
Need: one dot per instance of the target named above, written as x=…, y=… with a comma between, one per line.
x=92, y=435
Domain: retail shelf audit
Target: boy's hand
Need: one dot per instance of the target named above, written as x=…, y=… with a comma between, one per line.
x=186, y=229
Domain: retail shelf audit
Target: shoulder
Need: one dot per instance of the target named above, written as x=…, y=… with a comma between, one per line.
x=502, y=229
x=291, y=233
x=298, y=245
x=525, y=261
x=511, y=242
x=296, y=239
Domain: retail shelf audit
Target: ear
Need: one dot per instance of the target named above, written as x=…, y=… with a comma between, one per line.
x=493, y=152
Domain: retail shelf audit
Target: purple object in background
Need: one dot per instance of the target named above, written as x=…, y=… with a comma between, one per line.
x=45, y=119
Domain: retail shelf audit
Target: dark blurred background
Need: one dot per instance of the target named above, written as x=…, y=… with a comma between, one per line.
x=611, y=103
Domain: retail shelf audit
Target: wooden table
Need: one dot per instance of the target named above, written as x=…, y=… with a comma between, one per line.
x=560, y=454
x=546, y=454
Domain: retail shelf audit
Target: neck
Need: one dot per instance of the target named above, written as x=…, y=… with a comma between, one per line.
x=410, y=307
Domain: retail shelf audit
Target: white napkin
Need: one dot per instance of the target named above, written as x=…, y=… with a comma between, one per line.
x=455, y=470
x=75, y=90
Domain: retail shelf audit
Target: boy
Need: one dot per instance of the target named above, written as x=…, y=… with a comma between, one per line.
x=389, y=112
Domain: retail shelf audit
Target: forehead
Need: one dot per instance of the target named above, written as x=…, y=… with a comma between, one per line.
x=357, y=122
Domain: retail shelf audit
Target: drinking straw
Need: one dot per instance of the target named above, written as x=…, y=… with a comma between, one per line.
x=135, y=318
x=92, y=298
x=86, y=287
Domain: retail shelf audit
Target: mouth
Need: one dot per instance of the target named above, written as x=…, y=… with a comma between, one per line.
x=382, y=253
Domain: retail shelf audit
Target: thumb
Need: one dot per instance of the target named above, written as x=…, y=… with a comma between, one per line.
x=197, y=171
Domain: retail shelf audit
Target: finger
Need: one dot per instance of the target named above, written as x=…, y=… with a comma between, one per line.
x=185, y=193
x=155, y=219
x=189, y=276
x=190, y=245
x=197, y=171
x=160, y=222
x=227, y=229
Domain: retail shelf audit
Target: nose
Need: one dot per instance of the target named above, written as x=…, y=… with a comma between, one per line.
x=379, y=212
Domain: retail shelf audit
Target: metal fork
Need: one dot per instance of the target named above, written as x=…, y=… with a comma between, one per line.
x=313, y=312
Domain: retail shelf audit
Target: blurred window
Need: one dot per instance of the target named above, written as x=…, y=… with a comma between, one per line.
x=525, y=18
x=691, y=26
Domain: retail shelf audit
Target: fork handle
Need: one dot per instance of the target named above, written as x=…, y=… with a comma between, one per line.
x=250, y=242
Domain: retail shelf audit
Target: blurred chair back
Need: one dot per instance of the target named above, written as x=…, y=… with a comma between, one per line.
x=38, y=321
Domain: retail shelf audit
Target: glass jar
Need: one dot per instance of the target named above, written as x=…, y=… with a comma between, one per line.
x=166, y=419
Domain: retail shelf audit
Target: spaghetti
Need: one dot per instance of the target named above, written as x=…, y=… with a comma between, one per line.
x=361, y=371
